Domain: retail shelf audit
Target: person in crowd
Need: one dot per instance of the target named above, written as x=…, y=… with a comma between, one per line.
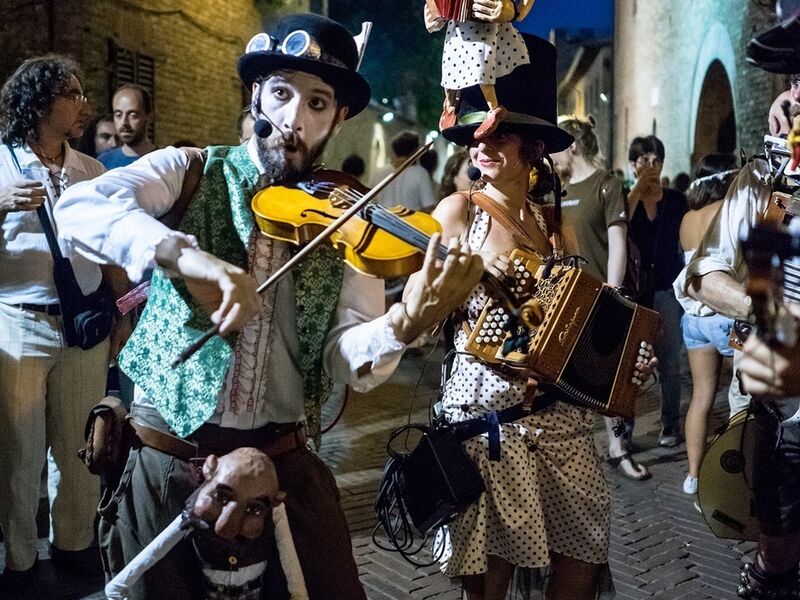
x=46, y=387
x=413, y=187
x=430, y=161
x=263, y=387
x=664, y=181
x=783, y=105
x=133, y=113
x=546, y=501
x=706, y=337
x=354, y=165
x=454, y=176
x=654, y=225
x=100, y=136
x=594, y=225
x=681, y=182
x=245, y=126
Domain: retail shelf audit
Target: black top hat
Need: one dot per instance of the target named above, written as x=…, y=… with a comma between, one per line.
x=528, y=93
x=311, y=44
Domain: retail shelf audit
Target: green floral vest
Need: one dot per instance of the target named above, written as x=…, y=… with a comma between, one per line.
x=219, y=216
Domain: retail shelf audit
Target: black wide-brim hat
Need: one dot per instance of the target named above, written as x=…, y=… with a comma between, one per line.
x=777, y=49
x=334, y=58
x=528, y=93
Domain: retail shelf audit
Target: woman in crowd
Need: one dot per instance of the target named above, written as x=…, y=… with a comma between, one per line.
x=706, y=337
x=655, y=219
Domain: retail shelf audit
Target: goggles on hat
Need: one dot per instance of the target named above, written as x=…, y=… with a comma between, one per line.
x=298, y=43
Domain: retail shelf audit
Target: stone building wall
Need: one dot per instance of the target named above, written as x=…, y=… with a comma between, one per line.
x=194, y=44
x=663, y=51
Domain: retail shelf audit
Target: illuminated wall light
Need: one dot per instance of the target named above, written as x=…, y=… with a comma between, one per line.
x=603, y=97
x=388, y=117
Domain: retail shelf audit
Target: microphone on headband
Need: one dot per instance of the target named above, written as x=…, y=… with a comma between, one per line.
x=473, y=172
x=262, y=128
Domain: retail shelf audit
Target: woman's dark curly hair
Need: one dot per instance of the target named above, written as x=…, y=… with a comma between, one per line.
x=28, y=95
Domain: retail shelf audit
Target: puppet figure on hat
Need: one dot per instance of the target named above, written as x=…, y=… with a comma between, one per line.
x=229, y=522
x=481, y=46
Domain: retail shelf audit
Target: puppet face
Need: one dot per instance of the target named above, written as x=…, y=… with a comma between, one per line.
x=239, y=492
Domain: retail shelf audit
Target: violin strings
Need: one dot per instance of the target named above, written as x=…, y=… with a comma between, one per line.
x=390, y=221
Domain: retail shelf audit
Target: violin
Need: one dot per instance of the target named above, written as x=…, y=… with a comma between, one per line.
x=382, y=242
x=375, y=240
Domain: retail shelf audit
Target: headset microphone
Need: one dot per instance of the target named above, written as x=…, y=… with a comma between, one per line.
x=262, y=128
x=473, y=173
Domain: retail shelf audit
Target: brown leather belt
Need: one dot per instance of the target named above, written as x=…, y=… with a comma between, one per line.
x=186, y=450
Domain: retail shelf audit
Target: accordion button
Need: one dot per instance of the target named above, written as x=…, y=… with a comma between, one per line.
x=517, y=261
x=479, y=339
x=643, y=344
x=636, y=381
x=495, y=339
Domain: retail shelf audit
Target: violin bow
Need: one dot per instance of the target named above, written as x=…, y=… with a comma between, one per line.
x=308, y=248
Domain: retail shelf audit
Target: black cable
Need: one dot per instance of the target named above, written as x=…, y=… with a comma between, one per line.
x=392, y=513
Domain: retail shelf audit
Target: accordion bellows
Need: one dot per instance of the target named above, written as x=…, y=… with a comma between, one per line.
x=587, y=343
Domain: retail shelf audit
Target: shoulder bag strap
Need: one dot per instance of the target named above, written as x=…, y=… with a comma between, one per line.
x=41, y=212
x=191, y=182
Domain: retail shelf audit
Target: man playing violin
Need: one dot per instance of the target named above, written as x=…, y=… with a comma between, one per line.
x=262, y=386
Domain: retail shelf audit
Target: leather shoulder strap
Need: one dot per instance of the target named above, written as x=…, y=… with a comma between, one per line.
x=502, y=216
x=191, y=181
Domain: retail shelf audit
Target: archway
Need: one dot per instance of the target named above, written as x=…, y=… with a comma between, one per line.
x=715, y=121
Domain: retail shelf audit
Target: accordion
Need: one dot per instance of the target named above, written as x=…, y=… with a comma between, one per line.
x=582, y=336
x=455, y=10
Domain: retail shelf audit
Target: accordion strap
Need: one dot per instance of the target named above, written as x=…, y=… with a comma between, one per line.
x=506, y=220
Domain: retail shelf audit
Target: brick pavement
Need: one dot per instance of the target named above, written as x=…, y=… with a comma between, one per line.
x=660, y=546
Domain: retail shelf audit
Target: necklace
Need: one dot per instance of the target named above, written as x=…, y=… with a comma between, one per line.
x=51, y=160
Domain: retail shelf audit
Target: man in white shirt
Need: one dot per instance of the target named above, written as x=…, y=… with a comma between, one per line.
x=46, y=388
x=323, y=316
x=413, y=188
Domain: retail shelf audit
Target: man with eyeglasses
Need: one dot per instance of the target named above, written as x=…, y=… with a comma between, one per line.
x=46, y=388
x=263, y=386
x=655, y=215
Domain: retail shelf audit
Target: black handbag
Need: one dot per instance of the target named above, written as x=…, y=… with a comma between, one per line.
x=436, y=480
x=86, y=319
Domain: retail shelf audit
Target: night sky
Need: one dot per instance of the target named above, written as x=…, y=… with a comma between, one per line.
x=570, y=14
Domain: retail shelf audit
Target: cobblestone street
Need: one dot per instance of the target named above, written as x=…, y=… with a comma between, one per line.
x=660, y=545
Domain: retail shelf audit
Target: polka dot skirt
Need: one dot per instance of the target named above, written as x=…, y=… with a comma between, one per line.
x=477, y=52
x=547, y=492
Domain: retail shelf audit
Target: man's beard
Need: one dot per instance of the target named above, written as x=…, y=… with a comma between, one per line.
x=277, y=167
x=134, y=136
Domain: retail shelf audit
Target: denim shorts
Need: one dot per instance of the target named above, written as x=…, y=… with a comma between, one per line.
x=702, y=332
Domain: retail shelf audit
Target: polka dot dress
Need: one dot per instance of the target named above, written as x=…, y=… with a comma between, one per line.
x=476, y=52
x=547, y=493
